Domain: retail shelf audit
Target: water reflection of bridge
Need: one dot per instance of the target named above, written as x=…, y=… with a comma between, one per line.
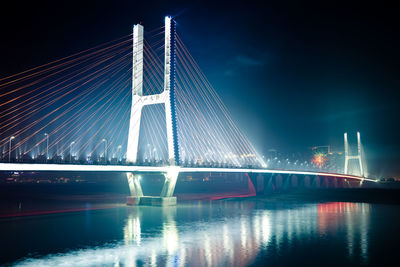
x=237, y=240
x=227, y=233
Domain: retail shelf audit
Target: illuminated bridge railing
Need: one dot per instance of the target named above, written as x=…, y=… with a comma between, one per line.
x=164, y=169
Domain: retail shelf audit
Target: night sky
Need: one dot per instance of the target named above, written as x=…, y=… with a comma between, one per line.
x=293, y=75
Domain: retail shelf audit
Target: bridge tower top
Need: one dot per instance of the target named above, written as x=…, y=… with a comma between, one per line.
x=137, y=60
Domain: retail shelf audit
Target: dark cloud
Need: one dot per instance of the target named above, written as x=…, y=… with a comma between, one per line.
x=248, y=61
x=243, y=61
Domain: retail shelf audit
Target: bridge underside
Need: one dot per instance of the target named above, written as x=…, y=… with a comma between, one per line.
x=270, y=183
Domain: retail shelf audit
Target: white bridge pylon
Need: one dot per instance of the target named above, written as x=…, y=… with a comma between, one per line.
x=358, y=157
x=167, y=97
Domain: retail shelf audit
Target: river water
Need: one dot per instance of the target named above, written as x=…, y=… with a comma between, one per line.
x=235, y=232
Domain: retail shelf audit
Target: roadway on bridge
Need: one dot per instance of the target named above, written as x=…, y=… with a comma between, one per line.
x=161, y=169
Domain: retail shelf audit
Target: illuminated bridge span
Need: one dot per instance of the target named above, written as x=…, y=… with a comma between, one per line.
x=124, y=104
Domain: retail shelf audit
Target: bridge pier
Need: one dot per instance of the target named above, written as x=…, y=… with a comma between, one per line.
x=169, y=184
x=135, y=189
x=325, y=182
x=258, y=182
x=316, y=182
x=334, y=183
x=307, y=182
x=166, y=197
x=287, y=182
x=269, y=188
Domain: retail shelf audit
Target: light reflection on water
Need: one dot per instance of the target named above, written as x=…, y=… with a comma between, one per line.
x=224, y=234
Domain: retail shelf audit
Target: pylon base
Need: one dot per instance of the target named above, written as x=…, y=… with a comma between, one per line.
x=157, y=201
x=130, y=200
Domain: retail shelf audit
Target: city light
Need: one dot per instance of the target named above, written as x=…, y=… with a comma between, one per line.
x=47, y=145
x=105, y=149
x=319, y=159
x=9, y=150
x=70, y=150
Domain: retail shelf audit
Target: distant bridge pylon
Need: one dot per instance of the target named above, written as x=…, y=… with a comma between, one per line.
x=350, y=157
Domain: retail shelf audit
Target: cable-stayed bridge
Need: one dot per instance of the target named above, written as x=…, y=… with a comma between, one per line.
x=140, y=106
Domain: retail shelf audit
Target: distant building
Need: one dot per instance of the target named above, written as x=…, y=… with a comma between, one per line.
x=272, y=153
x=322, y=149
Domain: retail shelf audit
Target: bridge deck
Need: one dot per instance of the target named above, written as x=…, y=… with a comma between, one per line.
x=161, y=169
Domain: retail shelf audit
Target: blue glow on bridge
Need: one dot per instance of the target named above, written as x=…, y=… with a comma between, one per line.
x=161, y=169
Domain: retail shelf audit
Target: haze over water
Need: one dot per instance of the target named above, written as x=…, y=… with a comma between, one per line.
x=236, y=232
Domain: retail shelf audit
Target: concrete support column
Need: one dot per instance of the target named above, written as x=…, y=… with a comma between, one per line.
x=286, y=183
x=334, y=183
x=135, y=189
x=307, y=181
x=260, y=184
x=278, y=182
x=134, y=184
x=316, y=182
x=166, y=197
x=269, y=188
x=325, y=182
x=294, y=182
x=169, y=184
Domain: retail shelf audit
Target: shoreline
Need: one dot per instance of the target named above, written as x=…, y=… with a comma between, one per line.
x=365, y=195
